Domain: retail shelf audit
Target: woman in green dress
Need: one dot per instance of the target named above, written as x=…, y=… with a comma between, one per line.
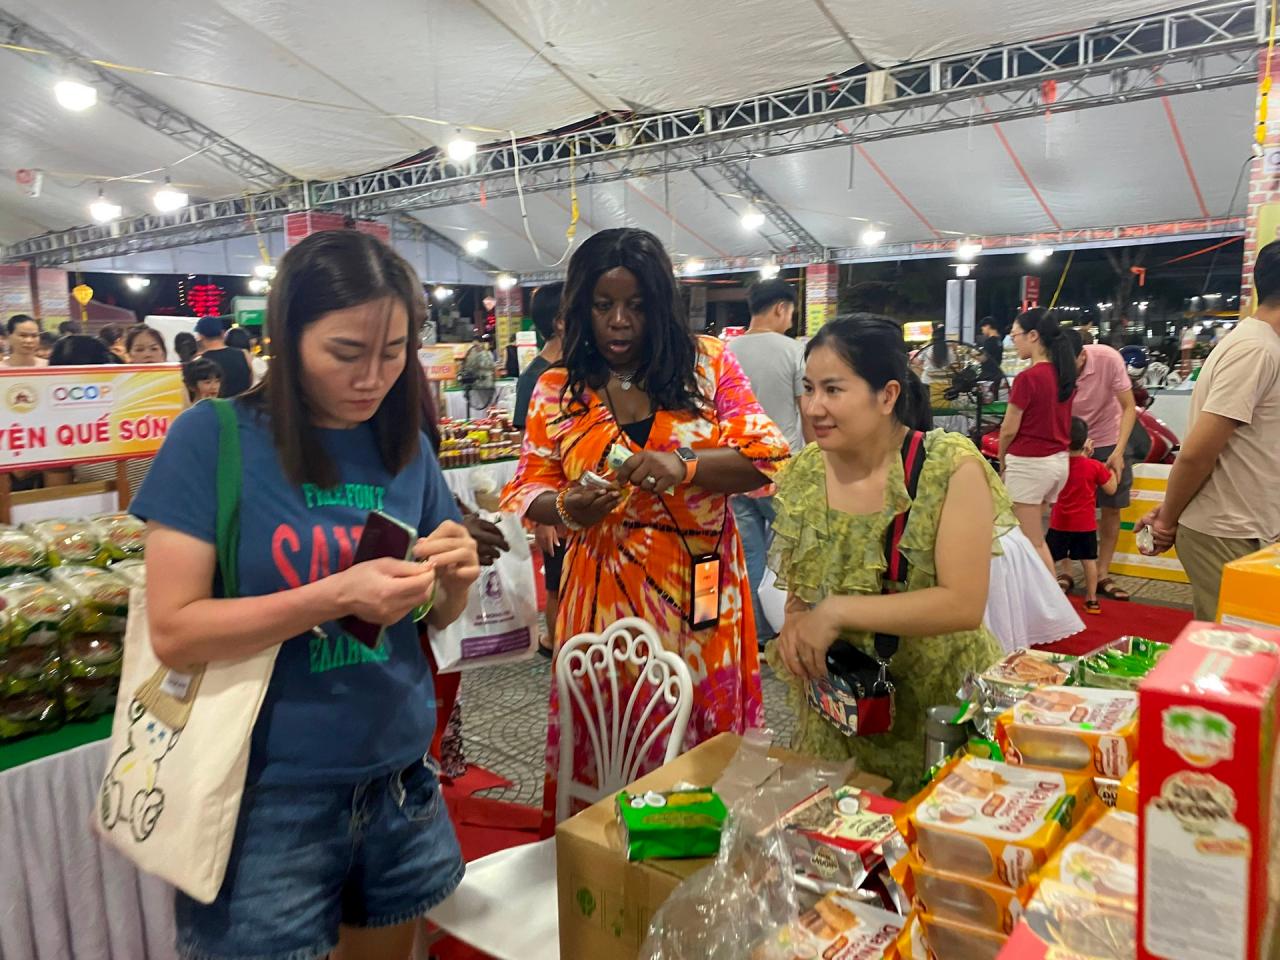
x=834, y=504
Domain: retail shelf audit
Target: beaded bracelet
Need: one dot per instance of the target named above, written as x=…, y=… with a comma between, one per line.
x=567, y=520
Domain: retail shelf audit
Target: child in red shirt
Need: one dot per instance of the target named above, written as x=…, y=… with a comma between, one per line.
x=1073, y=526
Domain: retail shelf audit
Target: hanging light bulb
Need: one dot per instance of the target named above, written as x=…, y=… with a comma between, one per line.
x=963, y=269
x=968, y=249
x=74, y=96
x=770, y=271
x=167, y=199
x=476, y=245
x=1039, y=254
x=872, y=236
x=103, y=210
x=752, y=219
x=506, y=281
x=259, y=285
x=264, y=271
x=460, y=149
x=442, y=293
x=137, y=284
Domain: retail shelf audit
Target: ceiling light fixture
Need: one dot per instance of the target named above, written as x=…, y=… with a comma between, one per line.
x=167, y=199
x=872, y=236
x=506, y=281
x=968, y=249
x=770, y=271
x=103, y=210
x=136, y=283
x=75, y=96
x=693, y=265
x=752, y=219
x=963, y=269
x=442, y=293
x=264, y=271
x=460, y=149
x=259, y=285
x=1039, y=254
x=476, y=245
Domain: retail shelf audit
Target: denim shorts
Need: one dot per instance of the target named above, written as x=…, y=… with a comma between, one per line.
x=308, y=858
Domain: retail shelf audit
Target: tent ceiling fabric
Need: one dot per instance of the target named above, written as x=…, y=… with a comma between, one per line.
x=535, y=65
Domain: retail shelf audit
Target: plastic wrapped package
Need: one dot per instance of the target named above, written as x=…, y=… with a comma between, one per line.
x=1099, y=857
x=1120, y=667
x=27, y=670
x=926, y=937
x=30, y=713
x=20, y=552
x=103, y=596
x=1074, y=729
x=133, y=569
x=72, y=541
x=86, y=698
x=1008, y=682
x=991, y=821
x=950, y=896
x=1064, y=922
x=835, y=926
x=749, y=892
x=40, y=613
x=836, y=836
x=124, y=534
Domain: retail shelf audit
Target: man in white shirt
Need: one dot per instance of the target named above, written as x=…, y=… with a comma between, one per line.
x=774, y=363
x=1223, y=500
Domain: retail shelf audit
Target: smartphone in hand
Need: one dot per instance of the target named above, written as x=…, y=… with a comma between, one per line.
x=383, y=536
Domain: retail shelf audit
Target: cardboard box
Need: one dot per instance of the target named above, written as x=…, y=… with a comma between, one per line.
x=605, y=901
x=1209, y=797
x=1250, y=595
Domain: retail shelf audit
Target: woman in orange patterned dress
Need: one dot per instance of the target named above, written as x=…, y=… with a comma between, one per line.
x=633, y=375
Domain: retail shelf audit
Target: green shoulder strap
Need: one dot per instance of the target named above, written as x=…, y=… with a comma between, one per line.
x=230, y=478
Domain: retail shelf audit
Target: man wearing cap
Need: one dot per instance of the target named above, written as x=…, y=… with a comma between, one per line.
x=237, y=376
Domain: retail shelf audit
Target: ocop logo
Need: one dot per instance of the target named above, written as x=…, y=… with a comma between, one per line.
x=82, y=395
x=21, y=398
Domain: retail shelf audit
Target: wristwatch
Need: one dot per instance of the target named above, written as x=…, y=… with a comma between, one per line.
x=690, y=461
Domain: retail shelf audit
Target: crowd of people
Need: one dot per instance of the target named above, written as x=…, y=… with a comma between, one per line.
x=652, y=456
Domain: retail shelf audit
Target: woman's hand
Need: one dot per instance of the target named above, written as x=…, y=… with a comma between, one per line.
x=653, y=471
x=805, y=639
x=384, y=591
x=490, y=543
x=547, y=538
x=452, y=551
x=587, y=506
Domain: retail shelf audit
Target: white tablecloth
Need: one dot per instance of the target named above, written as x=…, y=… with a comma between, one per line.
x=64, y=895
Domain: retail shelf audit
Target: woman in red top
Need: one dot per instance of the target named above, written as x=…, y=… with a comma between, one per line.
x=1036, y=433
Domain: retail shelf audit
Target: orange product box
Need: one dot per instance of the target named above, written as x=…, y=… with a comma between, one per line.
x=950, y=896
x=1250, y=587
x=1099, y=857
x=927, y=937
x=1079, y=730
x=1063, y=922
x=1209, y=797
x=991, y=821
x=1127, y=796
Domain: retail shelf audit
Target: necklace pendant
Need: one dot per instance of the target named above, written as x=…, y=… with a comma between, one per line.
x=626, y=384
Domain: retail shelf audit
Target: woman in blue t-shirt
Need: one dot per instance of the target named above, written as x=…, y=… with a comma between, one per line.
x=343, y=839
x=1036, y=433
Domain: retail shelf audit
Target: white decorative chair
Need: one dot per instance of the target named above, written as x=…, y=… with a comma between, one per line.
x=506, y=904
x=591, y=674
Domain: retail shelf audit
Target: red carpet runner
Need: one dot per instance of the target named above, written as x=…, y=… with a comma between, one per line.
x=1119, y=619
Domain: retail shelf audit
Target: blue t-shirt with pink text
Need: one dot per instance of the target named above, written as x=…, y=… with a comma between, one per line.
x=335, y=711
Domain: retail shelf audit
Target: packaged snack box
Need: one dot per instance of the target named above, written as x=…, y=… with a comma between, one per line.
x=1209, y=797
x=1108, y=790
x=991, y=821
x=1127, y=795
x=1083, y=731
x=675, y=824
x=927, y=937
x=1250, y=587
x=1121, y=666
x=1099, y=857
x=838, y=928
x=950, y=896
x=1064, y=923
x=837, y=836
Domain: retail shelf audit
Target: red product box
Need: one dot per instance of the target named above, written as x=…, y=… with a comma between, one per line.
x=1209, y=797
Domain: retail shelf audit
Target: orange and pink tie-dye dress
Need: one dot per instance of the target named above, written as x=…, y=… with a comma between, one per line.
x=634, y=562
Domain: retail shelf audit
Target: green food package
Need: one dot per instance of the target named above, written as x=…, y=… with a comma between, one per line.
x=20, y=552
x=29, y=670
x=84, y=699
x=93, y=655
x=1121, y=668
x=103, y=596
x=40, y=613
x=72, y=541
x=673, y=825
x=124, y=534
x=32, y=713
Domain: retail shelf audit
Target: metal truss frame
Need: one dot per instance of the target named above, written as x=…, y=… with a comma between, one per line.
x=142, y=106
x=1076, y=239
x=797, y=237
x=1209, y=46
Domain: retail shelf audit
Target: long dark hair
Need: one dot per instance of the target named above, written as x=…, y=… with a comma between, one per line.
x=80, y=350
x=1055, y=344
x=185, y=346
x=873, y=348
x=668, y=361
x=327, y=271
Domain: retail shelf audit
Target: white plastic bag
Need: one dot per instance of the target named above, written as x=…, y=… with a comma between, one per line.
x=500, y=623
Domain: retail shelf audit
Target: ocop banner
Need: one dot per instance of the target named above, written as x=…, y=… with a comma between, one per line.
x=58, y=415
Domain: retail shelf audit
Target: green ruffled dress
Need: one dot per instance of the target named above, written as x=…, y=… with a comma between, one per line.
x=819, y=552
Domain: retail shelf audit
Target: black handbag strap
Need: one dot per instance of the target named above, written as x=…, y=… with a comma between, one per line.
x=895, y=575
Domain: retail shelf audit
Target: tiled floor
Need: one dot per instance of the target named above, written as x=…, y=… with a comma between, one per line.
x=504, y=712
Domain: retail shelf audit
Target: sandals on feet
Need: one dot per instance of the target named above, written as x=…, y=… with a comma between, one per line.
x=1112, y=590
x=1093, y=607
x=1066, y=583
